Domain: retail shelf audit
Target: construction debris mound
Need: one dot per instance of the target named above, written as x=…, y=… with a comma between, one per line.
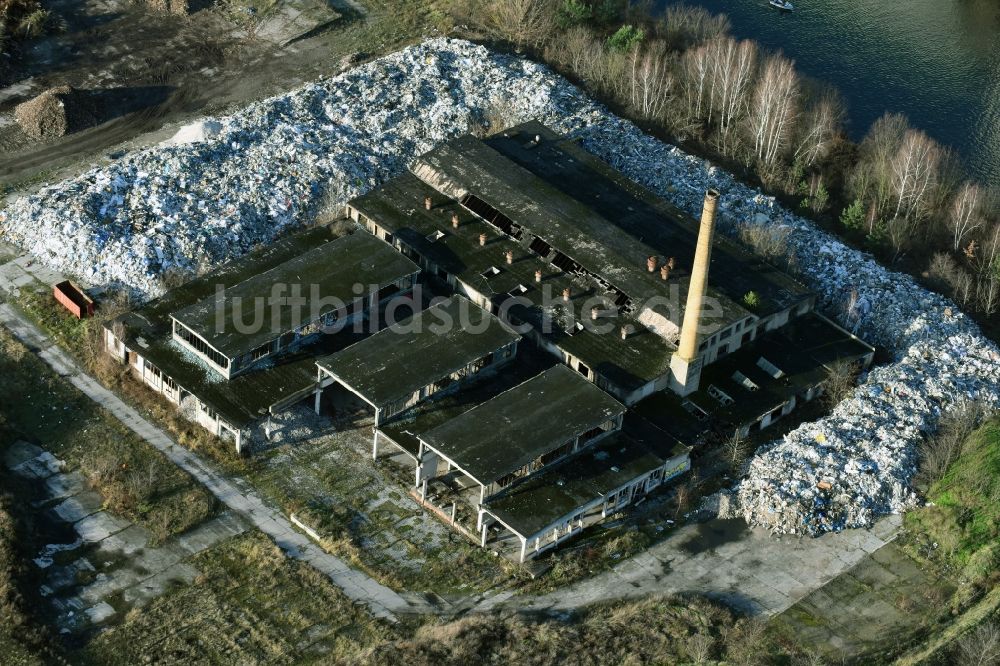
x=281, y=162
x=54, y=113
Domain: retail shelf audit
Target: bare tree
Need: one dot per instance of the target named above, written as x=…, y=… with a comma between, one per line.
x=686, y=27
x=950, y=278
x=736, y=448
x=695, y=69
x=984, y=254
x=524, y=23
x=819, y=128
x=650, y=81
x=841, y=378
x=871, y=179
x=981, y=646
x=731, y=76
x=773, y=112
x=940, y=450
x=965, y=215
x=915, y=171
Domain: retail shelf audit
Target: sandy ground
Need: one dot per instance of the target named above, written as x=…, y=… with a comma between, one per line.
x=152, y=72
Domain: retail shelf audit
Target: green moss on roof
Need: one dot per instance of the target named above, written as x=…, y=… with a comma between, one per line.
x=394, y=363
x=508, y=432
x=334, y=268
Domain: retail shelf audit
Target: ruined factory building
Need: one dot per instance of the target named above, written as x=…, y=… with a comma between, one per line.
x=145, y=339
x=644, y=334
x=583, y=490
x=245, y=326
x=607, y=276
x=435, y=350
x=541, y=420
x=527, y=214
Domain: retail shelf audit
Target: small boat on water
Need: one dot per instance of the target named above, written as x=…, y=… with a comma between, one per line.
x=783, y=5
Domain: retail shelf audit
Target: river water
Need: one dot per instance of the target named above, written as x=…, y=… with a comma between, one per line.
x=935, y=61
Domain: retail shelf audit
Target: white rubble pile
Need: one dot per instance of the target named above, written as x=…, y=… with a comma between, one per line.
x=271, y=166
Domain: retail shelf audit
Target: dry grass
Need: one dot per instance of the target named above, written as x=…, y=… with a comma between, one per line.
x=251, y=605
x=136, y=480
x=656, y=630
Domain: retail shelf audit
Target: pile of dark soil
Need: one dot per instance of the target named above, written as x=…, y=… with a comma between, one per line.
x=54, y=113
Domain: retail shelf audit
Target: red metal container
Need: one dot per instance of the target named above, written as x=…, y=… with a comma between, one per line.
x=74, y=299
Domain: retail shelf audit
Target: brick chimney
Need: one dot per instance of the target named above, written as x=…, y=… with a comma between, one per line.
x=566, y=294
x=538, y=275
x=595, y=312
x=685, y=364
x=626, y=331
x=651, y=264
x=510, y=256
x=482, y=239
x=454, y=220
x=664, y=272
x=428, y=203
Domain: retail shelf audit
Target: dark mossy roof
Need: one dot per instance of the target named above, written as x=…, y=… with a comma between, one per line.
x=242, y=400
x=624, y=205
x=327, y=277
x=404, y=429
x=399, y=207
x=560, y=491
x=506, y=433
x=412, y=354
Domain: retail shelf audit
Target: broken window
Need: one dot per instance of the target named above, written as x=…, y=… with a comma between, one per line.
x=540, y=247
x=720, y=395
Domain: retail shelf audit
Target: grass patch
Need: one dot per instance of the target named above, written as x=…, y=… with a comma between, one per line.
x=251, y=605
x=136, y=481
x=964, y=521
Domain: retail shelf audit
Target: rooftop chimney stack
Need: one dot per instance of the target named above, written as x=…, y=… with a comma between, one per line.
x=428, y=203
x=538, y=275
x=664, y=272
x=454, y=220
x=651, y=264
x=566, y=294
x=685, y=364
x=510, y=256
x=482, y=239
x=595, y=312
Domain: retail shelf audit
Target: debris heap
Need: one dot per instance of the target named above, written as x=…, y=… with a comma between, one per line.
x=54, y=113
x=279, y=162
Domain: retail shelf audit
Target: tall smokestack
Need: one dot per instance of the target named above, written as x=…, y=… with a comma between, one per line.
x=685, y=369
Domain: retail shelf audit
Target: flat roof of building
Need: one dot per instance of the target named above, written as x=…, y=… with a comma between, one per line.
x=623, y=204
x=398, y=206
x=405, y=357
x=506, y=433
x=539, y=502
x=242, y=400
x=326, y=275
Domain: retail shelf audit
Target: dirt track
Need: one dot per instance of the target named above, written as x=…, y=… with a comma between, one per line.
x=151, y=72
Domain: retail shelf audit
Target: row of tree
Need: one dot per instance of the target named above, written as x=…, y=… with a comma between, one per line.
x=898, y=193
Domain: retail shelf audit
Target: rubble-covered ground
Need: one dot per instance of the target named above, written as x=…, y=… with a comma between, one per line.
x=280, y=161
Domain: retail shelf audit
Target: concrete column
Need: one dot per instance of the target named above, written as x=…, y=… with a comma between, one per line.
x=375, y=445
x=482, y=543
x=524, y=548
x=319, y=395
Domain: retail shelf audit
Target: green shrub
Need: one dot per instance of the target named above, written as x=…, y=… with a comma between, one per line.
x=572, y=13
x=625, y=39
x=853, y=216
